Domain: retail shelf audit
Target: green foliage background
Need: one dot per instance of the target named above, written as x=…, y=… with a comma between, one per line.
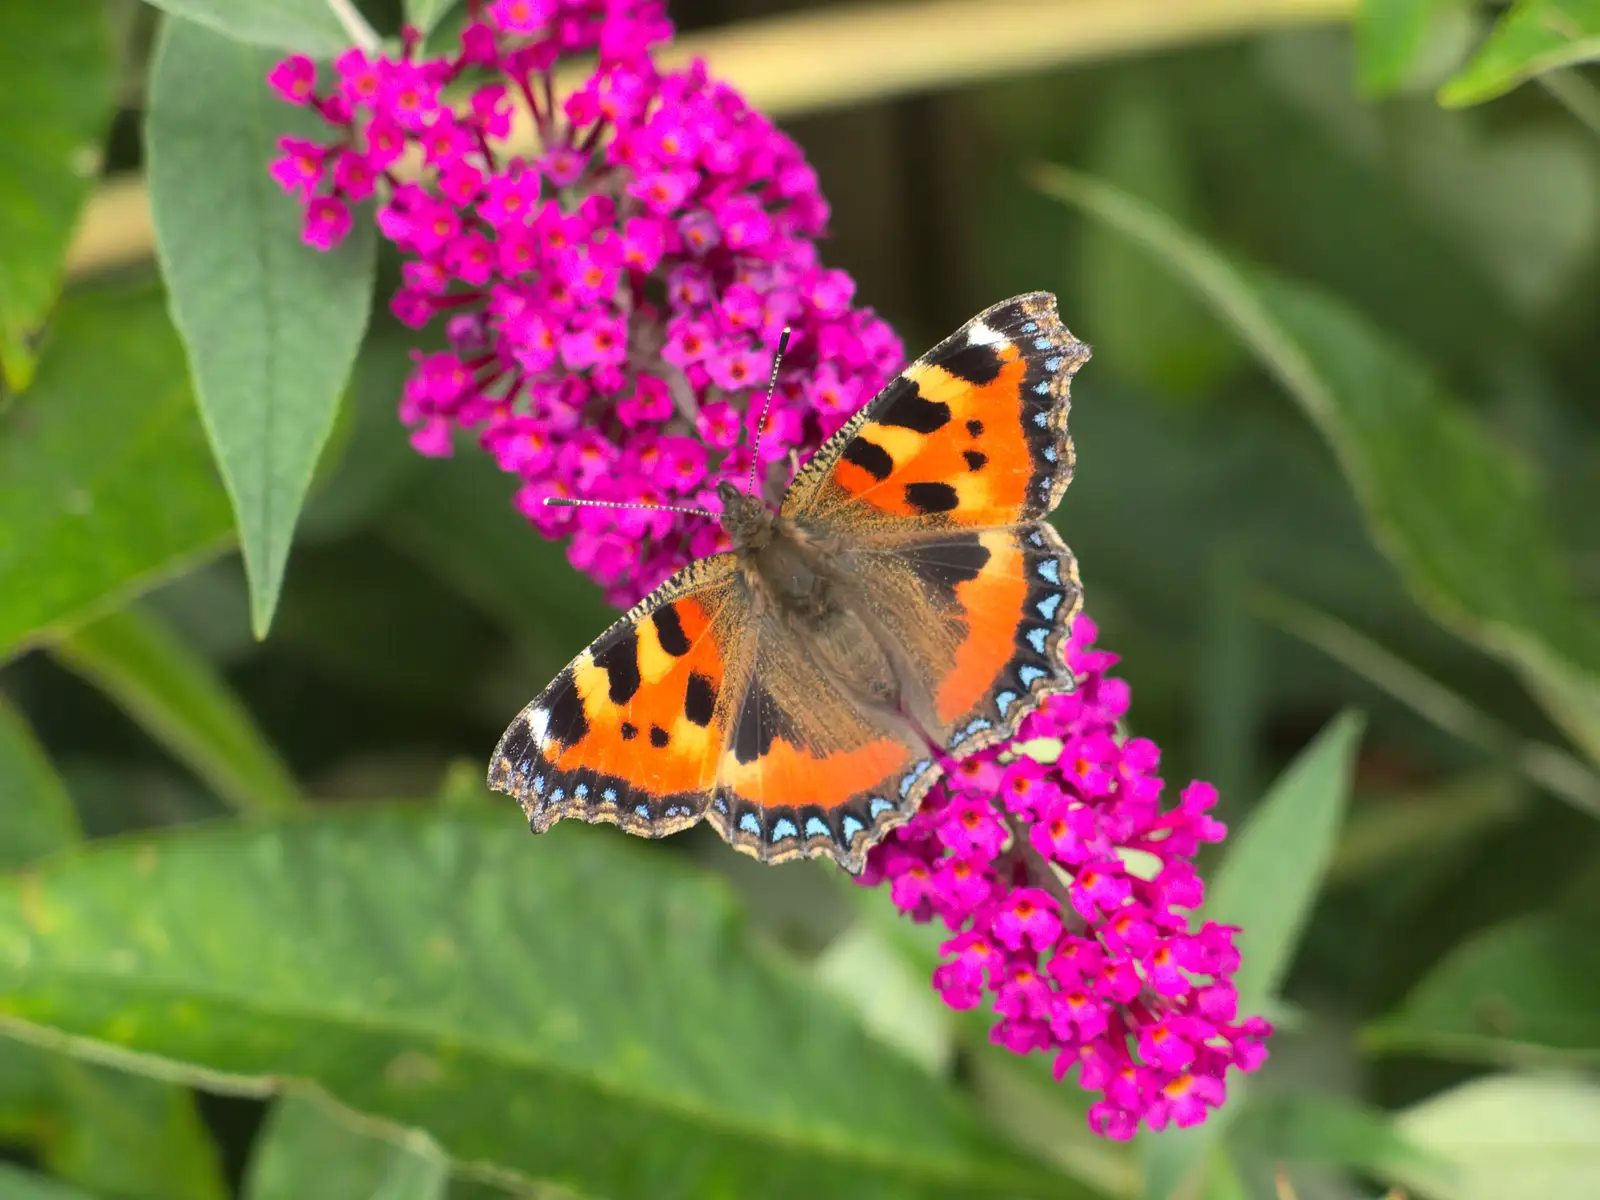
x=263, y=934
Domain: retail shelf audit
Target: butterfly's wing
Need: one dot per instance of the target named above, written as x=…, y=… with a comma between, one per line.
x=809, y=769
x=694, y=704
x=937, y=492
x=980, y=619
x=972, y=435
x=632, y=731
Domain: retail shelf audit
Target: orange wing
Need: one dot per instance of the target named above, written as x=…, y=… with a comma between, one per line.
x=971, y=435
x=692, y=706
x=631, y=732
x=980, y=619
x=812, y=768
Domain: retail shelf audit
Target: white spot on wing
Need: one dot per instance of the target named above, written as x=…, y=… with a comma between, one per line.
x=979, y=334
x=539, y=726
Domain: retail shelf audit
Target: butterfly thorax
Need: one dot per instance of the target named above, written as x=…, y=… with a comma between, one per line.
x=782, y=565
x=747, y=520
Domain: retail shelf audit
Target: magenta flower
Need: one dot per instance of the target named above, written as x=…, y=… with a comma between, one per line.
x=1067, y=888
x=609, y=296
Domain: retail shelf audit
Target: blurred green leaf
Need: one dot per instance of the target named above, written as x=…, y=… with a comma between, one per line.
x=1327, y=1130
x=1222, y=1180
x=425, y=14
x=1145, y=329
x=55, y=58
x=1534, y=36
x=19, y=1184
x=525, y=1001
x=1392, y=37
x=36, y=814
x=312, y=1148
x=1455, y=513
x=1266, y=885
x=1273, y=869
x=863, y=968
x=137, y=1138
x=1548, y=766
x=1392, y=831
x=1572, y=705
x=308, y=26
x=271, y=326
x=1524, y=203
x=1517, y=203
x=176, y=696
x=1575, y=93
x=133, y=1137
x=1535, y=1136
x=109, y=484
x=1524, y=992
x=458, y=520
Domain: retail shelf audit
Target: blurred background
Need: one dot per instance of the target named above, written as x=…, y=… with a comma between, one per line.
x=1390, y=501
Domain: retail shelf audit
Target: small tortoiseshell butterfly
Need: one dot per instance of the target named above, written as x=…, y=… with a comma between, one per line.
x=907, y=600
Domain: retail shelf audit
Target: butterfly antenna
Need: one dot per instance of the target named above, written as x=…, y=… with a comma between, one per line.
x=772, y=386
x=568, y=502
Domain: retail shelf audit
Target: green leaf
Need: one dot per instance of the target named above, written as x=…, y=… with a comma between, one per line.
x=1525, y=992
x=308, y=26
x=458, y=520
x=137, y=1138
x=1222, y=1180
x=1535, y=36
x=310, y=1147
x=175, y=696
x=1274, y=865
x=56, y=60
x=271, y=326
x=109, y=485
x=571, y=1007
x=19, y=1184
x=36, y=814
x=1572, y=705
x=1145, y=329
x=1548, y=766
x=1514, y=1136
x=377, y=459
x=1266, y=886
x=1393, y=38
x=134, y=1138
x=425, y=14
x=892, y=1000
x=1455, y=513
x=1385, y=837
x=1326, y=1130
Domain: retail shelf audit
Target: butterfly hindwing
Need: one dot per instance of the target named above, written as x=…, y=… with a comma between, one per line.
x=631, y=732
x=981, y=618
x=809, y=768
x=973, y=434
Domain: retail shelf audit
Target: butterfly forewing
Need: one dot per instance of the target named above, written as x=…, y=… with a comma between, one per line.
x=973, y=434
x=632, y=731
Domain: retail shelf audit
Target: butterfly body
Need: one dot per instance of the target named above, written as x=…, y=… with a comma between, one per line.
x=906, y=602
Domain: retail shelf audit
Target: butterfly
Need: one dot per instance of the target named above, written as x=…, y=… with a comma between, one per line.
x=907, y=602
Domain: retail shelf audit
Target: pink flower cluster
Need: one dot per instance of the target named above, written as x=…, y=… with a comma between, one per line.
x=613, y=300
x=1067, y=887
